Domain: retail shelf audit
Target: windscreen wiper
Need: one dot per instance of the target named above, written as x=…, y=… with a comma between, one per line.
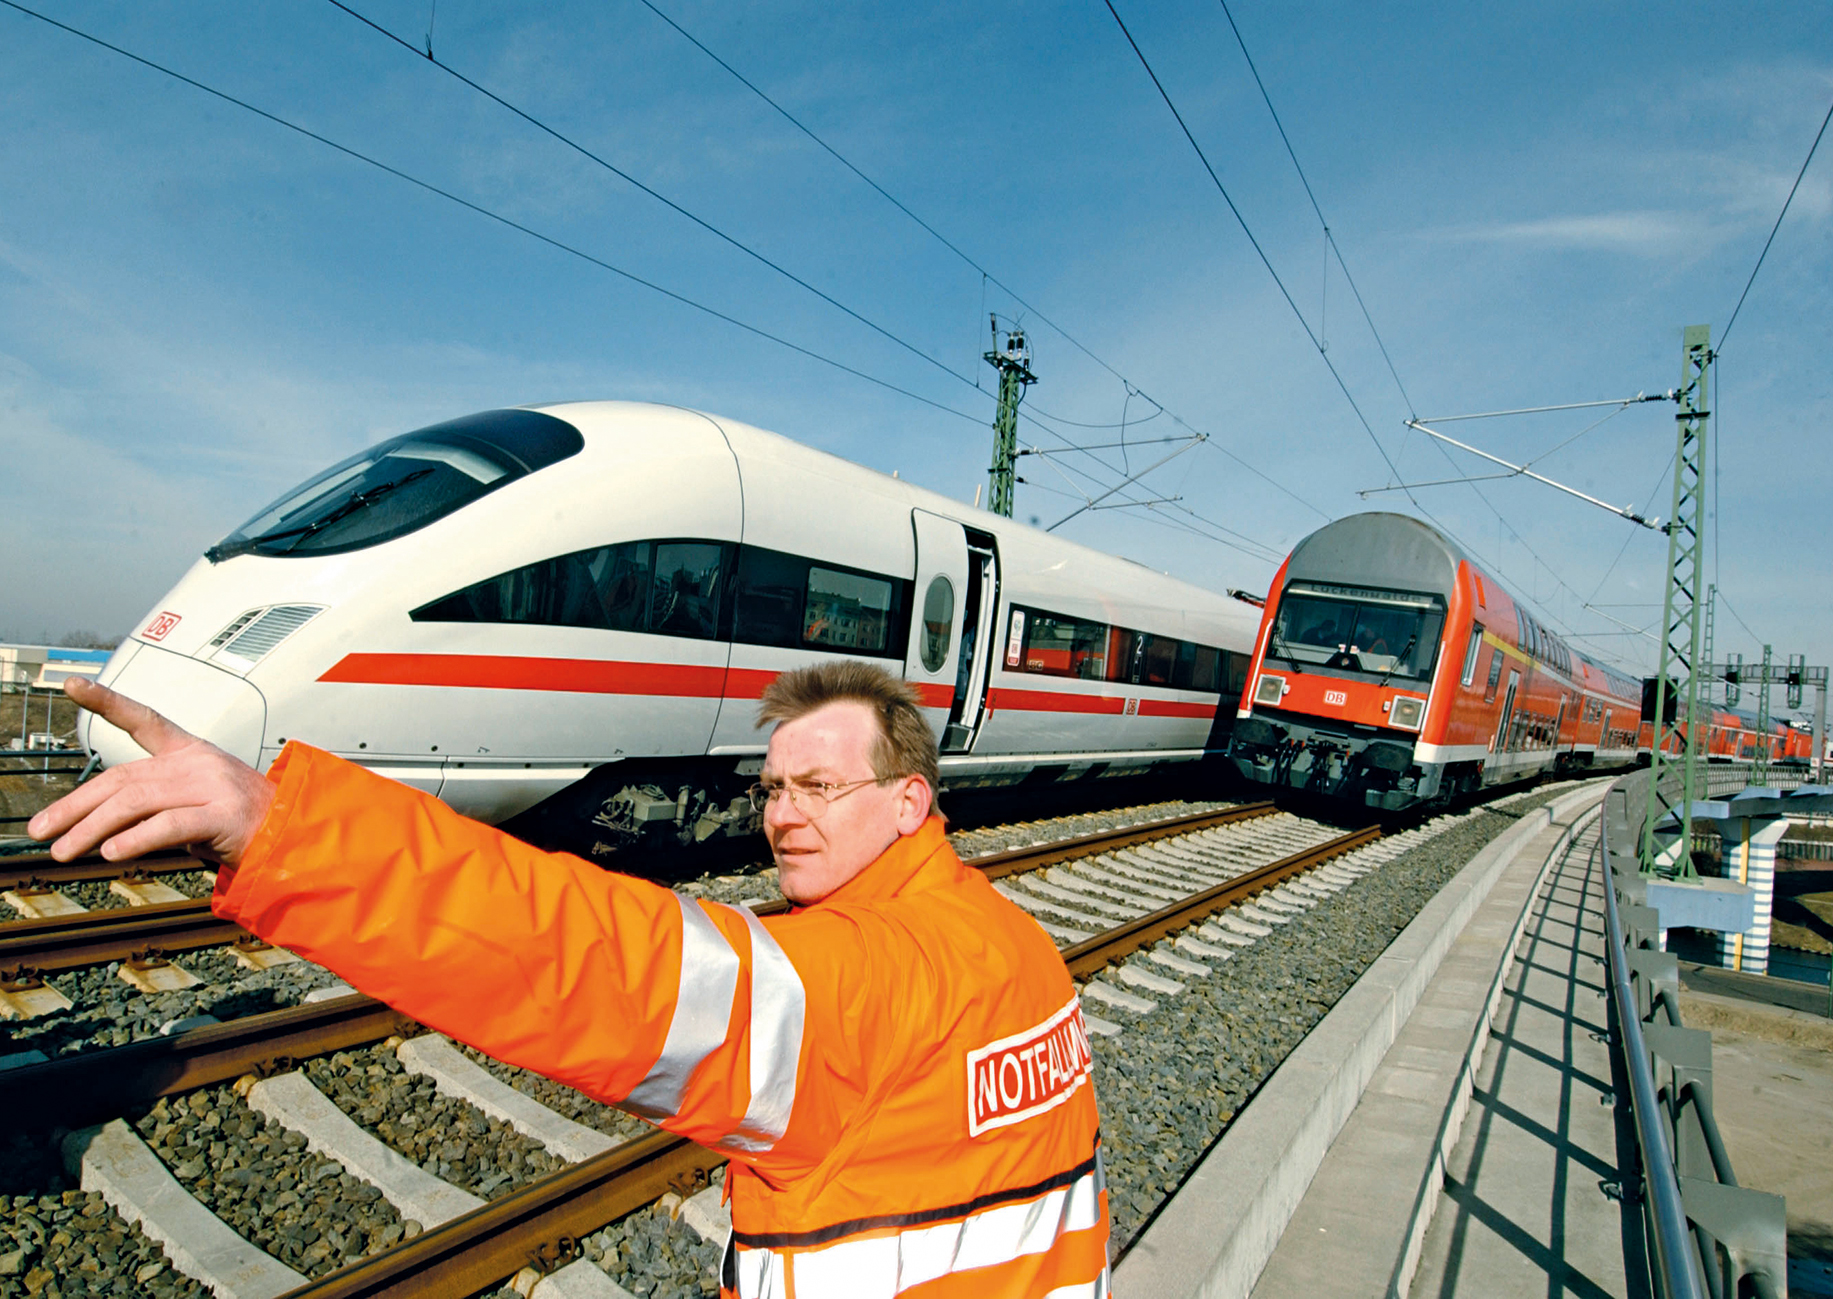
x=1399, y=659
x=357, y=501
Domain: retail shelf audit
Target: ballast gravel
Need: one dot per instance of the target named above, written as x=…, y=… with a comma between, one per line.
x=95, y=895
x=1169, y=1086
x=445, y=1136
x=57, y=1242
x=106, y=1011
x=761, y=885
x=260, y=1179
x=564, y=1100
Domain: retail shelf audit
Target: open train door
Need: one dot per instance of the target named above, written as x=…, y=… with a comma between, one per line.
x=932, y=661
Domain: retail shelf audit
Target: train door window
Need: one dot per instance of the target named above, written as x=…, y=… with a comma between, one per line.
x=684, y=597
x=938, y=622
x=1470, y=655
x=847, y=611
x=1495, y=675
x=1506, y=736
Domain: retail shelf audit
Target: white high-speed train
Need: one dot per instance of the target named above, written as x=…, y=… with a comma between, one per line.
x=562, y=619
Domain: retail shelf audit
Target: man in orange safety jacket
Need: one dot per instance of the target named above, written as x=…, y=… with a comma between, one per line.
x=897, y=1070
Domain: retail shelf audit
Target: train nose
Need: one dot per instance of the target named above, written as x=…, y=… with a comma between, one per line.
x=204, y=700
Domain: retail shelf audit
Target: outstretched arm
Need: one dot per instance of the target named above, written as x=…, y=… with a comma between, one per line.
x=187, y=793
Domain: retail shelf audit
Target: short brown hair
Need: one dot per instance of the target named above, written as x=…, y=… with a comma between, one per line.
x=905, y=745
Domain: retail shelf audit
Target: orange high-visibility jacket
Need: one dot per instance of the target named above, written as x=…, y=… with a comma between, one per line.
x=899, y=1074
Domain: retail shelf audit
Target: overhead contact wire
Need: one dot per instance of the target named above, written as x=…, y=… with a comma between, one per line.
x=482, y=211
x=1306, y=182
x=656, y=194
x=1772, y=230
x=986, y=275
x=1259, y=251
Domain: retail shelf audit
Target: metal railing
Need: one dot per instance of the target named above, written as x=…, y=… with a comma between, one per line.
x=1706, y=1237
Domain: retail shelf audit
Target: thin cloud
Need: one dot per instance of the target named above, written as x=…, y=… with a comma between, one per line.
x=1647, y=233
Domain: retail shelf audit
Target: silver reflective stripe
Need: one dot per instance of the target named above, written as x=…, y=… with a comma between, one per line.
x=885, y=1266
x=703, y=1013
x=778, y=1007
x=762, y=1274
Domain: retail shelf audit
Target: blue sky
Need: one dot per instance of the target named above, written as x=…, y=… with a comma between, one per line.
x=199, y=308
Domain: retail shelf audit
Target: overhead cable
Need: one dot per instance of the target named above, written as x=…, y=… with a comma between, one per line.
x=1306, y=182
x=656, y=194
x=1772, y=230
x=986, y=275
x=483, y=211
x=1248, y=231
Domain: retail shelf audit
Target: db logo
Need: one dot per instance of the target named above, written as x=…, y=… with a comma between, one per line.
x=1132, y=708
x=161, y=626
x=1336, y=697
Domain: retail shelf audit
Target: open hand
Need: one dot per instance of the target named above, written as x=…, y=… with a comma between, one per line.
x=188, y=793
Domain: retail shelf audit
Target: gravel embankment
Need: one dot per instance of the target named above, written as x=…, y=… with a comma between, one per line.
x=106, y=1011
x=1172, y=1082
x=57, y=1242
x=302, y=1208
x=446, y=1137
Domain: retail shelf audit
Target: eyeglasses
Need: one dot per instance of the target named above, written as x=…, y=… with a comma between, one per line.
x=809, y=797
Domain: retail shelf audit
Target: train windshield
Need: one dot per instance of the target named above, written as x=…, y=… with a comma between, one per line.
x=403, y=484
x=1392, y=634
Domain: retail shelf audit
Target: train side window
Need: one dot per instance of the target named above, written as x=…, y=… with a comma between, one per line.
x=1205, y=669
x=1237, y=669
x=604, y=588
x=1123, y=651
x=1158, y=666
x=847, y=611
x=768, y=597
x=1059, y=646
x=1470, y=655
x=684, y=598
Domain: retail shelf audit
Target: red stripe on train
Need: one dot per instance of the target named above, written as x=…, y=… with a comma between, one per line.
x=507, y=672
x=1052, y=701
x=577, y=676
x=1171, y=708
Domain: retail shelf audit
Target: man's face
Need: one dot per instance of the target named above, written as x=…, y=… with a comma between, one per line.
x=832, y=745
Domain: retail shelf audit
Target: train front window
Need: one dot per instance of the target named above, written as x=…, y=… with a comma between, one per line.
x=403, y=484
x=1391, y=634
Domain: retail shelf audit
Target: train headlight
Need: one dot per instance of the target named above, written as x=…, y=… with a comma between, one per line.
x=1270, y=690
x=1407, y=712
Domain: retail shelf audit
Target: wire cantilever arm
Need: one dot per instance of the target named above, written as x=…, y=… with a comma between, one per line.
x=1128, y=482
x=1624, y=511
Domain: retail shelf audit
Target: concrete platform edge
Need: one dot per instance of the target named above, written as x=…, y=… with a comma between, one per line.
x=1425, y=1199
x=1218, y=1232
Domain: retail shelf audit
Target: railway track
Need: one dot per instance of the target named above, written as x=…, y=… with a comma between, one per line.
x=1168, y=902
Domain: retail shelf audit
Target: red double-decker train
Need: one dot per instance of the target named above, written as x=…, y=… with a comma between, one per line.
x=1391, y=670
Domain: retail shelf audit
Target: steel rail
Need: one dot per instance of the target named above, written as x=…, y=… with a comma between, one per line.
x=1092, y=954
x=477, y=1250
x=41, y=870
x=1017, y=860
x=58, y=943
x=1675, y=1255
x=94, y=1086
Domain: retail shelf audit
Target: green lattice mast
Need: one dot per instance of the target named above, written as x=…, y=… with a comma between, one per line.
x=1678, y=674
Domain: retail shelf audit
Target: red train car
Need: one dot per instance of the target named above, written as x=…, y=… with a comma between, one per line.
x=1391, y=670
